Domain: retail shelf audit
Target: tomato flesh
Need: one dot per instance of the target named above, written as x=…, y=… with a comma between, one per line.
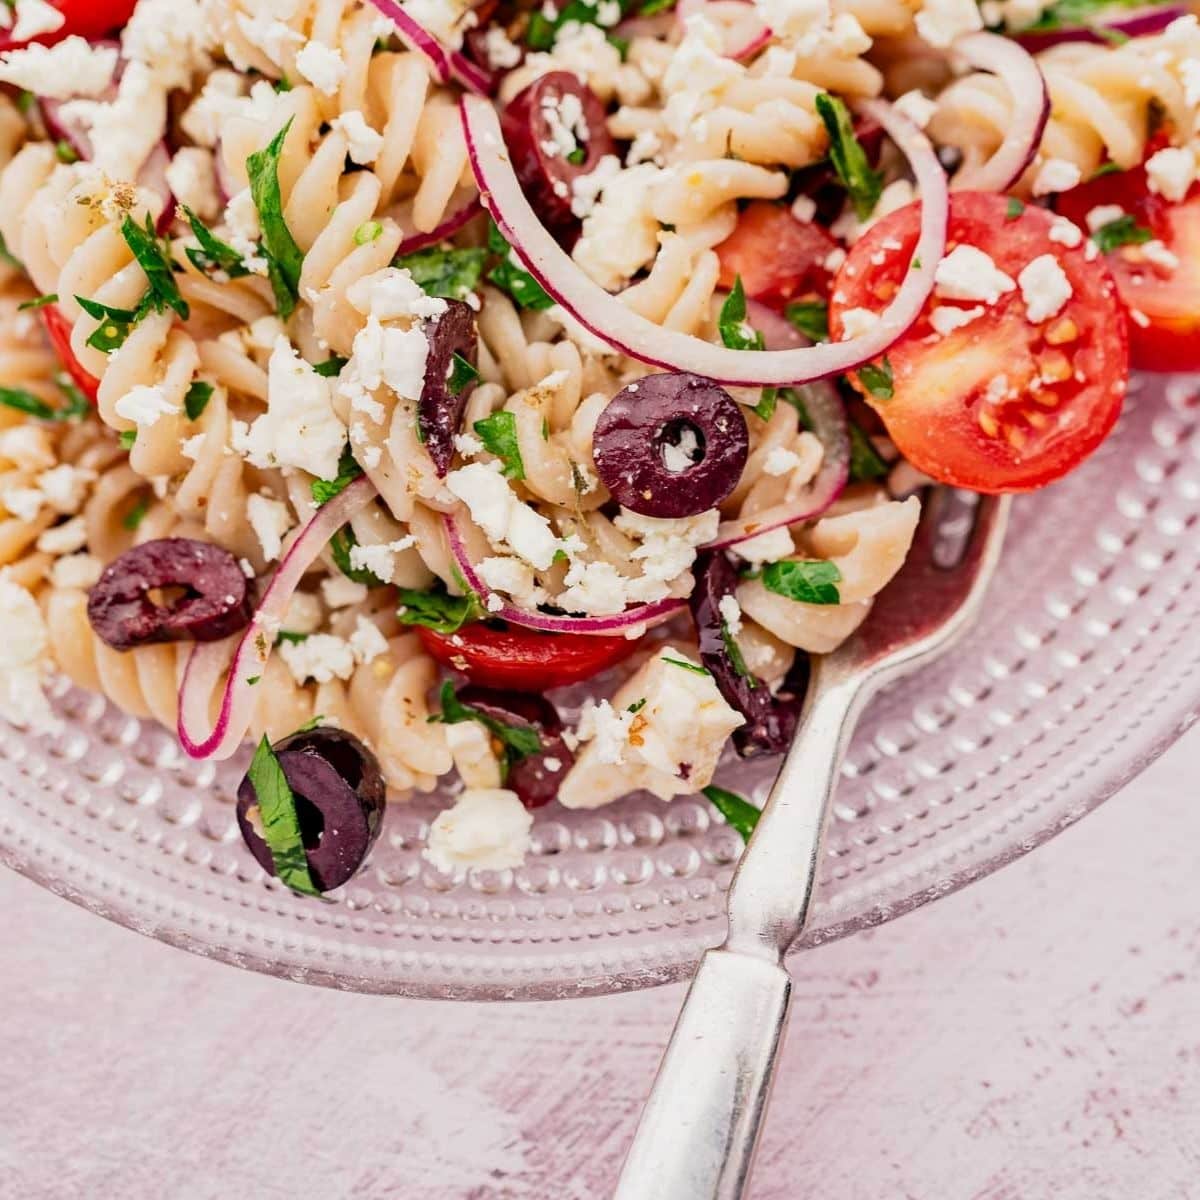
x=89, y=19
x=778, y=258
x=58, y=330
x=1163, y=301
x=523, y=660
x=1000, y=404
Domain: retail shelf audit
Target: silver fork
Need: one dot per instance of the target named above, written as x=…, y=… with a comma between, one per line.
x=698, y=1131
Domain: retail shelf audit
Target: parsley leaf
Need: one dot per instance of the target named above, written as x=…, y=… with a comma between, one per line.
x=128, y=439
x=137, y=514
x=368, y=232
x=877, y=378
x=543, y=30
x=340, y=546
x=40, y=302
x=739, y=814
x=212, y=255
x=736, y=658
x=7, y=257
x=155, y=261
x=34, y=406
x=1065, y=14
x=811, y=317
x=461, y=375
x=499, y=434
x=511, y=277
x=849, y=159
x=280, y=822
x=865, y=461
x=452, y=273
x=738, y=334
x=197, y=398
x=1013, y=209
x=331, y=368
x=519, y=741
x=808, y=582
x=285, y=260
x=438, y=610
x=116, y=324
x=683, y=664
x=1124, y=231
x=324, y=490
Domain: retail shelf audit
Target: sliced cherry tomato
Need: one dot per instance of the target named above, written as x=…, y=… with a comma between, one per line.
x=522, y=660
x=1000, y=404
x=58, y=329
x=778, y=257
x=89, y=19
x=1163, y=300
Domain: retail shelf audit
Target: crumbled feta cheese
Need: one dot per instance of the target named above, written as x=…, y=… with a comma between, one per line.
x=917, y=107
x=322, y=66
x=304, y=613
x=773, y=546
x=271, y=35
x=502, y=53
x=71, y=68
x=668, y=547
x=65, y=487
x=446, y=20
x=502, y=516
x=1170, y=172
x=300, y=427
x=606, y=729
x=467, y=444
x=513, y=577
x=391, y=294
x=340, y=592
x=487, y=829
x=384, y=355
x=203, y=120
x=804, y=209
x=967, y=273
x=562, y=116
x=585, y=189
x=35, y=17
x=620, y=234
x=64, y=539
x=380, y=558
x=731, y=614
x=23, y=502
x=684, y=454
x=145, y=405
x=365, y=142
x=80, y=571
x=940, y=22
x=794, y=18
x=945, y=320
x=192, y=178
x=270, y=519
x=320, y=656
x=367, y=640
x=170, y=37
x=22, y=663
x=856, y=322
x=27, y=446
x=1056, y=175
x=1065, y=233
x=1103, y=214
x=1045, y=288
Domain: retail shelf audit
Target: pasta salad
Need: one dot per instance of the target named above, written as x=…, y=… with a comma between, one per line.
x=371, y=370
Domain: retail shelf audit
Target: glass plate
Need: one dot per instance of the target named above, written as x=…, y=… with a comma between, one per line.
x=1085, y=666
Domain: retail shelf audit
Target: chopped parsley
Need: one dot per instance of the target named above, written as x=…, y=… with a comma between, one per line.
x=865, y=461
x=739, y=814
x=212, y=254
x=285, y=260
x=637, y=705
x=116, y=324
x=738, y=334
x=368, y=232
x=331, y=368
x=280, y=821
x=137, y=514
x=438, y=610
x=877, y=378
x=509, y=276
x=1013, y=209
x=1124, y=231
x=807, y=582
x=811, y=317
x=34, y=406
x=340, y=546
x=736, y=657
x=499, y=435
x=684, y=665
x=452, y=273
x=154, y=257
x=197, y=398
x=1068, y=14
x=127, y=439
x=461, y=375
x=324, y=490
x=516, y=741
x=291, y=637
x=65, y=152
x=543, y=29
x=848, y=157
x=40, y=302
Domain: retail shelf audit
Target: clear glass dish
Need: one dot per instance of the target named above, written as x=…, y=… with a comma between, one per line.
x=1085, y=666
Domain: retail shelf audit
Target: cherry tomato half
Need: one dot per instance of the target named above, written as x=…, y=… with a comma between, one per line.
x=1163, y=300
x=89, y=19
x=523, y=660
x=778, y=257
x=1000, y=404
x=58, y=329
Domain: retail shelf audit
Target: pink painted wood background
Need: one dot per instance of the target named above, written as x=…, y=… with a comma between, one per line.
x=1036, y=1037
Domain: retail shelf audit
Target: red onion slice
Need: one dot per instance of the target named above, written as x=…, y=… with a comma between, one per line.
x=470, y=74
x=631, y=618
x=828, y=417
x=1140, y=22
x=252, y=648
x=605, y=316
x=446, y=64
x=778, y=332
x=1030, y=110
x=464, y=207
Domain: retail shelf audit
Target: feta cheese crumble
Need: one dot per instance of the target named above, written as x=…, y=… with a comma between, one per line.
x=967, y=273
x=488, y=829
x=1045, y=288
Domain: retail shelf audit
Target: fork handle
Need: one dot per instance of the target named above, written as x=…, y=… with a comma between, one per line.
x=699, y=1129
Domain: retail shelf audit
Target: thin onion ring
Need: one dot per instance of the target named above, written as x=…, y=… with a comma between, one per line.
x=446, y=64
x=633, y=335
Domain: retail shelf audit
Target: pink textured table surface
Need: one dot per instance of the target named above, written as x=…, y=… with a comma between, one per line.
x=1032, y=1038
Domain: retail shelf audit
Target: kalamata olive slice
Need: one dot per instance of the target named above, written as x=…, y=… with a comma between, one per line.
x=671, y=445
x=556, y=131
x=536, y=777
x=444, y=395
x=770, y=719
x=214, y=599
x=340, y=799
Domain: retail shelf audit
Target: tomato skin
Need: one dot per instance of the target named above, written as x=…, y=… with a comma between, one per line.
x=1164, y=321
x=1000, y=404
x=58, y=330
x=523, y=660
x=89, y=19
x=777, y=257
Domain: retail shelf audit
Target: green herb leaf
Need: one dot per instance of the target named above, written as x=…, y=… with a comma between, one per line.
x=1108, y=168
x=1124, y=231
x=637, y=705
x=155, y=260
x=127, y=439
x=811, y=317
x=137, y=514
x=877, y=378
x=1068, y=14
x=40, y=302
x=340, y=546
x=462, y=375
x=519, y=741
x=197, y=398
x=543, y=30
x=865, y=461
x=331, y=368
x=1013, y=209
x=6, y=255
x=291, y=637
x=765, y=408
x=116, y=324
x=452, y=273
x=368, y=232
x=739, y=814
x=736, y=658
x=736, y=332
x=438, y=610
x=655, y=6
x=280, y=822
x=212, y=255
x=687, y=666
x=285, y=260
x=77, y=403
x=806, y=582
x=34, y=406
x=499, y=434
x=65, y=152
x=509, y=276
x=324, y=490
x=849, y=159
